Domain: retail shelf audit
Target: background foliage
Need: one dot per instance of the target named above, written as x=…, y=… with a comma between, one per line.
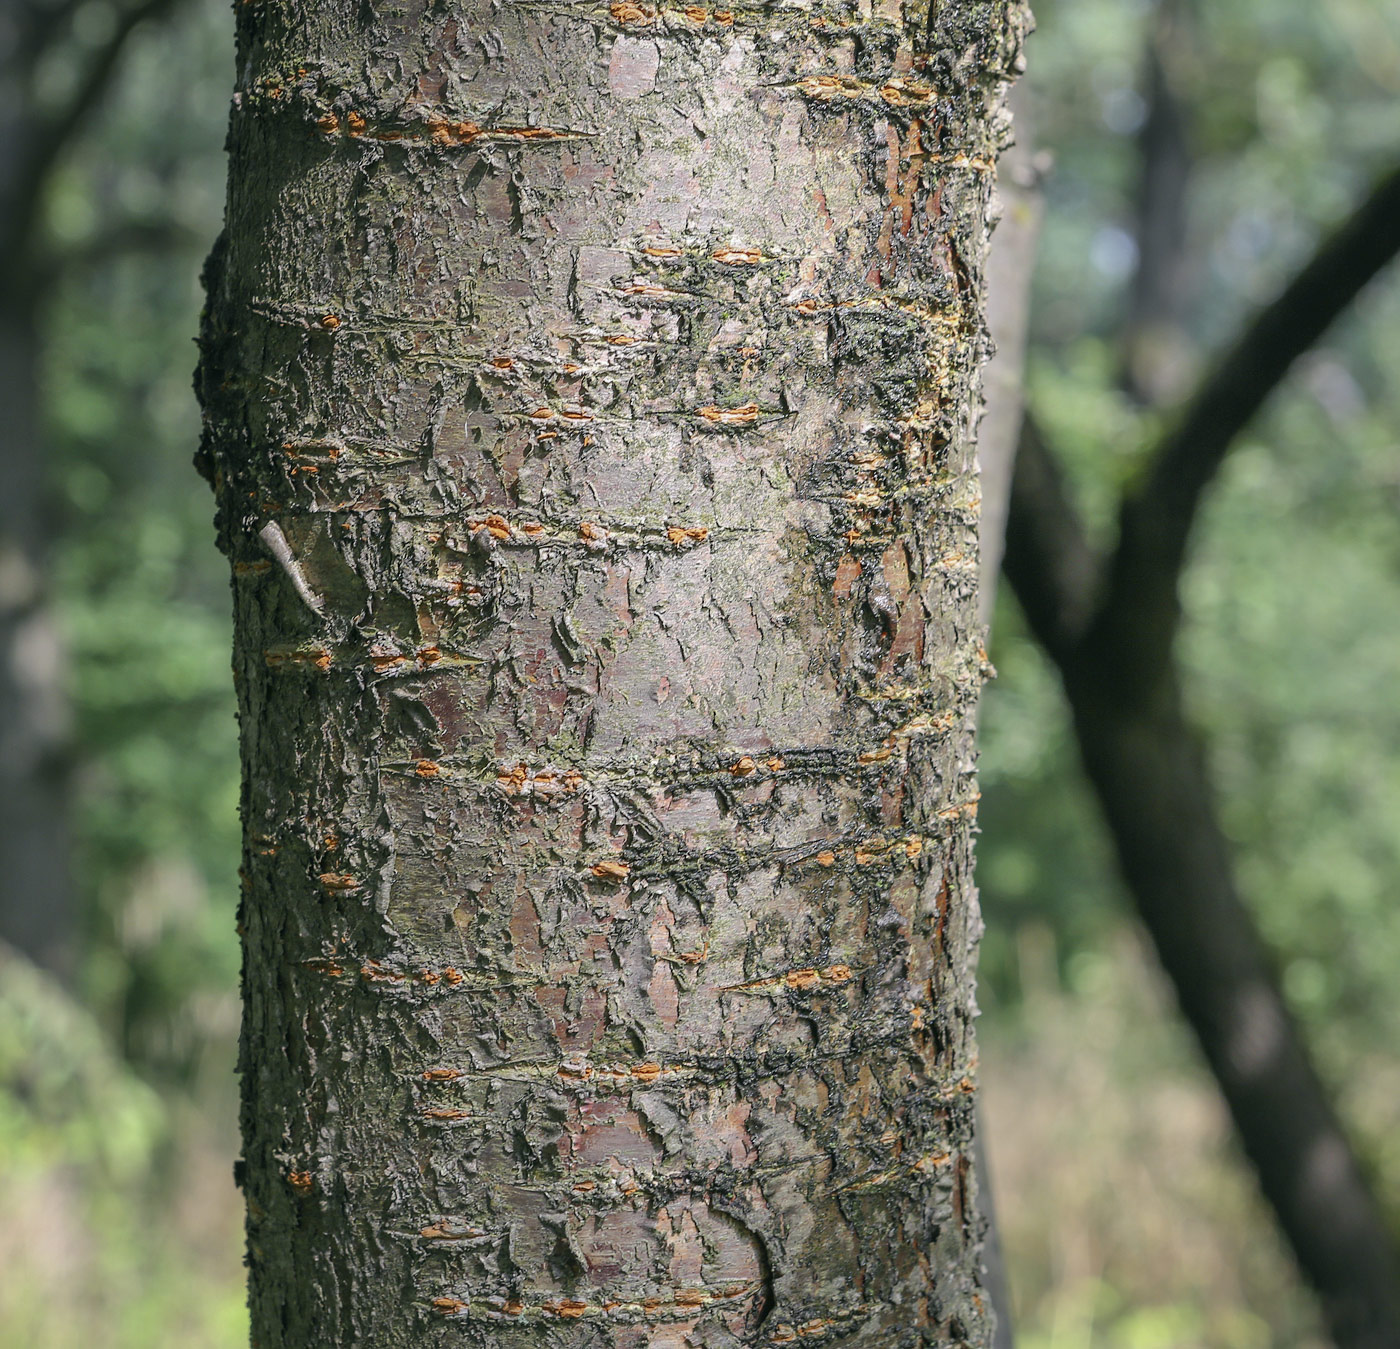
x=1128, y=1219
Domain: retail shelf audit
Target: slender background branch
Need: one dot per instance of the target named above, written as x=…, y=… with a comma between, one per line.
x=1156, y=518
x=45, y=138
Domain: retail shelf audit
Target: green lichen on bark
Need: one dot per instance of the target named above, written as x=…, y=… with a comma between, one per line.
x=589, y=397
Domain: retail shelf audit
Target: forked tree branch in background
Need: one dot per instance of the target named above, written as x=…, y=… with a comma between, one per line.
x=1140, y=595
x=45, y=137
x=1115, y=655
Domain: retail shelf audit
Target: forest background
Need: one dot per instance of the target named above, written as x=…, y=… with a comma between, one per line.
x=1129, y=1219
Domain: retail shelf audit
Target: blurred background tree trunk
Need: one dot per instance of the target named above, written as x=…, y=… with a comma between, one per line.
x=36, y=892
x=1010, y=268
x=1110, y=625
x=589, y=402
x=1010, y=272
x=35, y=886
x=37, y=908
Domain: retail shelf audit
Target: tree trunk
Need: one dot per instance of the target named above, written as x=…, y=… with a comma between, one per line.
x=36, y=900
x=36, y=908
x=1145, y=764
x=1158, y=356
x=589, y=400
x=1010, y=274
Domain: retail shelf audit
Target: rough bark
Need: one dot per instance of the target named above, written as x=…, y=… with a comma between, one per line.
x=589, y=395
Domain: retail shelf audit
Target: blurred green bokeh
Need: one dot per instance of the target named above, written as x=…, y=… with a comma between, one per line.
x=1129, y=1219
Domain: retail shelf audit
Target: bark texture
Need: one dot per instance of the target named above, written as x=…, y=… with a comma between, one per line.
x=589, y=394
